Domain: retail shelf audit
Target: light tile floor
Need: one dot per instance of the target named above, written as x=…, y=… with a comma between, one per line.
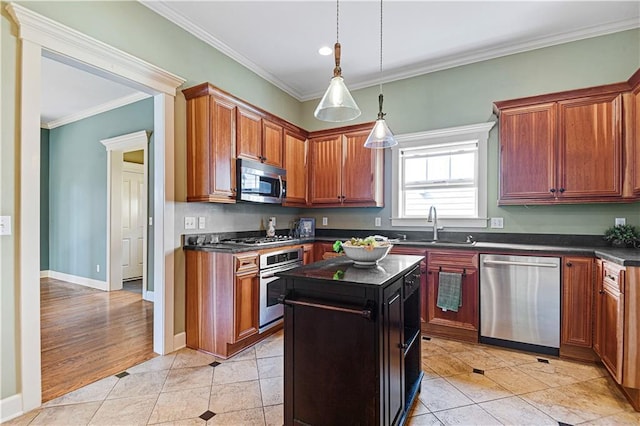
x=464, y=384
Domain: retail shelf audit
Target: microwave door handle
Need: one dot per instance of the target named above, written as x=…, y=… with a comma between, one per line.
x=281, y=187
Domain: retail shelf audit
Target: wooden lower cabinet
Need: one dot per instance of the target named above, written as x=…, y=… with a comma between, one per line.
x=464, y=324
x=323, y=251
x=308, y=253
x=617, y=336
x=576, y=334
x=222, y=302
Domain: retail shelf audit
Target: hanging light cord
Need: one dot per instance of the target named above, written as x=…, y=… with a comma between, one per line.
x=337, y=71
x=380, y=46
x=337, y=21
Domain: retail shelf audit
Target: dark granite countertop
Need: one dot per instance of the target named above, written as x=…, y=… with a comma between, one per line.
x=552, y=245
x=342, y=269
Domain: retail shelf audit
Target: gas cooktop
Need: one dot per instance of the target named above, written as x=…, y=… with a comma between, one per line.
x=258, y=241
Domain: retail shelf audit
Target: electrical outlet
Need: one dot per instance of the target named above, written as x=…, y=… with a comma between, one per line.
x=98, y=268
x=325, y=221
x=201, y=222
x=620, y=221
x=5, y=225
x=497, y=222
x=273, y=220
x=150, y=221
x=189, y=222
x=378, y=221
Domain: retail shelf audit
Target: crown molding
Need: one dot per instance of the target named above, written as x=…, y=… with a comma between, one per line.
x=129, y=141
x=116, y=103
x=71, y=43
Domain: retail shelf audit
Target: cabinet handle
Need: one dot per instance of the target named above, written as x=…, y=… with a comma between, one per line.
x=561, y=190
x=264, y=159
x=552, y=190
x=339, y=197
x=611, y=277
x=601, y=291
x=403, y=345
x=569, y=264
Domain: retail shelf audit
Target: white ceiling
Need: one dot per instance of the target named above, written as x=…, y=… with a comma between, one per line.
x=279, y=40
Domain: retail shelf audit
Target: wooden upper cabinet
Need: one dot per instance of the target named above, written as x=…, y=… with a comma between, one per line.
x=527, y=152
x=211, y=123
x=249, y=135
x=360, y=170
x=577, y=146
x=272, y=138
x=295, y=163
x=325, y=185
x=344, y=172
x=590, y=147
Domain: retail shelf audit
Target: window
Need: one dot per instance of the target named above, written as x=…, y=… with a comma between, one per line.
x=444, y=168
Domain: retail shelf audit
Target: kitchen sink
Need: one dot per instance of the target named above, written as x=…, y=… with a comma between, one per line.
x=439, y=241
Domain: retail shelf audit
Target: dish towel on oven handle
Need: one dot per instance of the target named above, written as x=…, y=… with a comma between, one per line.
x=449, y=291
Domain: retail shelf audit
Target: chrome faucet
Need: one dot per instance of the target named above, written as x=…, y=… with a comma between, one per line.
x=433, y=217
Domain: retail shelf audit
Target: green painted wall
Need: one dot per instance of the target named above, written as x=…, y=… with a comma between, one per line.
x=465, y=95
x=78, y=187
x=44, y=199
x=447, y=98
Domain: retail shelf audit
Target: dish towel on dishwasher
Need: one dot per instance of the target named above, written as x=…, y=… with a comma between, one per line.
x=449, y=291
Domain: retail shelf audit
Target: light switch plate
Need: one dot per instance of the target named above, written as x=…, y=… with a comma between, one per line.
x=497, y=222
x=201, y=222
x=325, y=221
x=378, y=222
x=5, y=225
x=620, y=221
x=189, y=222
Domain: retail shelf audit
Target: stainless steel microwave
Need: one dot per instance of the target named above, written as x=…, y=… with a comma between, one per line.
x=260, y=183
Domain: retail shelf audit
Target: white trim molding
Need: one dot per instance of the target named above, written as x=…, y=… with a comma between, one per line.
x=116, y=103
x=148, y=296
x=42, y=36
x=75, y=279
x=11, y=407
x=66, y=41
x=180, y=341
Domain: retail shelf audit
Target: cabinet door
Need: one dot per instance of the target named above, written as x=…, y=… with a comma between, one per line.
x=577, y=302
x=393, y=369
x=361, y=170
x=527, y=153
x=324, y=251
x=249, y=135
x=598, y=334
x=326, y=170
x=423, y=276
x=210, y=149
x=272, y=137
x=590, y=147
x=307, y=254
x=634, y=139
x=612, y=329
x=246, y=299
x=295, y=162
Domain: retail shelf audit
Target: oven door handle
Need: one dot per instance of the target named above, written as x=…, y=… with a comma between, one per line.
x=271, y=275
x=366, y=312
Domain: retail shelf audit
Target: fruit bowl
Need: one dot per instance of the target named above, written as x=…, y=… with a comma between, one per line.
x=366, y=255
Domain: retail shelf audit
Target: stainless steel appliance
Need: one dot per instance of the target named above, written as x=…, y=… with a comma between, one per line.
x=520, y=302
x=271, y=311
x=260, y=183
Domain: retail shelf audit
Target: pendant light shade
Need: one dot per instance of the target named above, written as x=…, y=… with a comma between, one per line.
x=337, y=104
x=380, y=136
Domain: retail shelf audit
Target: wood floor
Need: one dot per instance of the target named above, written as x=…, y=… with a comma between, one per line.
x=89, y=334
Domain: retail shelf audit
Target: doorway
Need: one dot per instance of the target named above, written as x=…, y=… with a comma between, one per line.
x=38, y=35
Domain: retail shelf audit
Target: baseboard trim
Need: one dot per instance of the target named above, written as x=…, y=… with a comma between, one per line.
x=10, y=407
x=179, y=341
x=45, y=274
x=148, y=295
x=87, y=282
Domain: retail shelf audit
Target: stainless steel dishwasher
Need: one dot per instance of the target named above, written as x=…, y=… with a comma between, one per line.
x=520, y=302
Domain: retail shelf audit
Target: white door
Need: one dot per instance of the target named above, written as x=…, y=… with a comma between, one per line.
x=132, y=220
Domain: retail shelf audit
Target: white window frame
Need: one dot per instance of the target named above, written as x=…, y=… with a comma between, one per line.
x=478, y=132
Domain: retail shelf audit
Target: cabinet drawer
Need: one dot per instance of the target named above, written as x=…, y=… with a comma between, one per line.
x=456, y=259
x=411, y=282
x=246, y=262
x=613, y=276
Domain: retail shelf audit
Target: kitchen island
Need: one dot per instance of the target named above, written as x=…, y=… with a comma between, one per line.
x=352, y=341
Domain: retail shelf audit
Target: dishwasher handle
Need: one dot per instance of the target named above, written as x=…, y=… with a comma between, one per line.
x=510, y=262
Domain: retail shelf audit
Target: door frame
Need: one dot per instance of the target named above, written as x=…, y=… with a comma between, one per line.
x=39, y=35
x=116, y=147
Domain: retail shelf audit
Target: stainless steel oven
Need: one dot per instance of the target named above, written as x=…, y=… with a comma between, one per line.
x=271, y=311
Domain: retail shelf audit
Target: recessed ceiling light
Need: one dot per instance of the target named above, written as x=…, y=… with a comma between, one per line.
x=325, y=51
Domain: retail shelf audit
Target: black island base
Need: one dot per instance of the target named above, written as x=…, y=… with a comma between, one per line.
x=351, y=342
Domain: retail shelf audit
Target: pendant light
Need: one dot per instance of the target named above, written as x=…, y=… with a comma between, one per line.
x=380, y=136
x=337, y=104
